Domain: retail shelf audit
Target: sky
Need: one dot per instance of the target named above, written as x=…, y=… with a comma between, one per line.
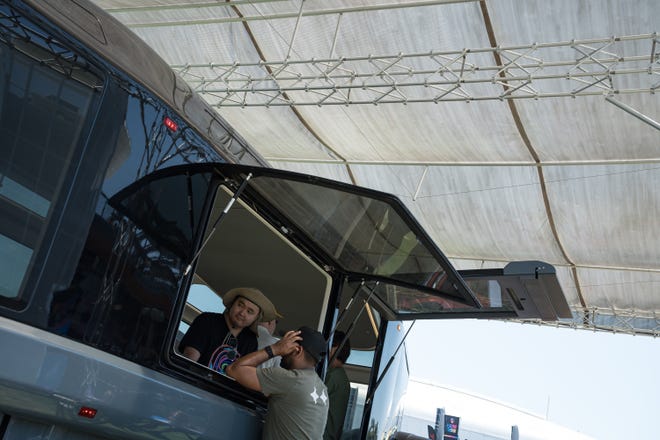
x=601, y=384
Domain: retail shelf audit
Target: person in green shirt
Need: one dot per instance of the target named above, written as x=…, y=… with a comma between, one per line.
x=339, y=387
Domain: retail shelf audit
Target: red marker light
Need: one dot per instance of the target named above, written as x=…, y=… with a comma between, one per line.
x=86, y=411
x=170, y=124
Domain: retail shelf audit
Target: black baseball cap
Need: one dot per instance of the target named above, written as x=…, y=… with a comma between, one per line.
x=312, y=342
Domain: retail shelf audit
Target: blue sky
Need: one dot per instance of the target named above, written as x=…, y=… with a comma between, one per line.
x=601, y=384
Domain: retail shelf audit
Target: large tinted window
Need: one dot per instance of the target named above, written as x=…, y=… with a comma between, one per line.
x=124, y=290
x=44, y=112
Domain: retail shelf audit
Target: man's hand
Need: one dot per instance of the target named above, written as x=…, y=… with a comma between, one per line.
x=244, y=368
x=288, y=344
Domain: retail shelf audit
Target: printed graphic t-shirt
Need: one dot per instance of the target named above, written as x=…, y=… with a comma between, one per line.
x=210, y=335
x=297, y=404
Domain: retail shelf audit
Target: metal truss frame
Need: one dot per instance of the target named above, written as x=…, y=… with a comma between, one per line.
x=631, y=322
x=535, y=71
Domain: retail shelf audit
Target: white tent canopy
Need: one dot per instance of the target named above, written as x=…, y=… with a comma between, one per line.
x=513, y=130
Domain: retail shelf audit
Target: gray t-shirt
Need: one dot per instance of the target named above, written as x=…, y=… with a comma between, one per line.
x=263, y=339
x=297, y=404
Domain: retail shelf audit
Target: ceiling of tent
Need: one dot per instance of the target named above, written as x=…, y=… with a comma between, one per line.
x=513, y=130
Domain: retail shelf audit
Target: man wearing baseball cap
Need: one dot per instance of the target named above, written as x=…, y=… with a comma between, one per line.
x=297, y=397
x=218, y=339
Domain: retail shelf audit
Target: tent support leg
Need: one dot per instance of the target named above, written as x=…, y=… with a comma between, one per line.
x=633, y=112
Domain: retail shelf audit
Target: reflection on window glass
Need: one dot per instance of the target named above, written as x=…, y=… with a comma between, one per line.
x=355, y=410
x=147, y=144
x=489, y=292
x=42, y=115
x=18, y=193
x=166, y=210
x=126, y=283
x=14, y=258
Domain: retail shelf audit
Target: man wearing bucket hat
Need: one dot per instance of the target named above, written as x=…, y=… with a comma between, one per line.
x=297, y=397
x=218, y=339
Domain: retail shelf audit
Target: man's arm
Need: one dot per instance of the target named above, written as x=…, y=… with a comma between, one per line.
x=244, y=369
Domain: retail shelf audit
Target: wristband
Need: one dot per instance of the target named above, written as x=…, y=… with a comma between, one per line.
x=269, y=351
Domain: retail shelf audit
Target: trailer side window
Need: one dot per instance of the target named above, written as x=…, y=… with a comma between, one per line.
x=246, y=251
x=43, y=115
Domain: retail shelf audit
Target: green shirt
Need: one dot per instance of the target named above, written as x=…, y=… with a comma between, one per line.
x=297, y=404
x=339, y=390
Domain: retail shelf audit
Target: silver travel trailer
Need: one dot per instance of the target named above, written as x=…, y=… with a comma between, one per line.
x=122, y=194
